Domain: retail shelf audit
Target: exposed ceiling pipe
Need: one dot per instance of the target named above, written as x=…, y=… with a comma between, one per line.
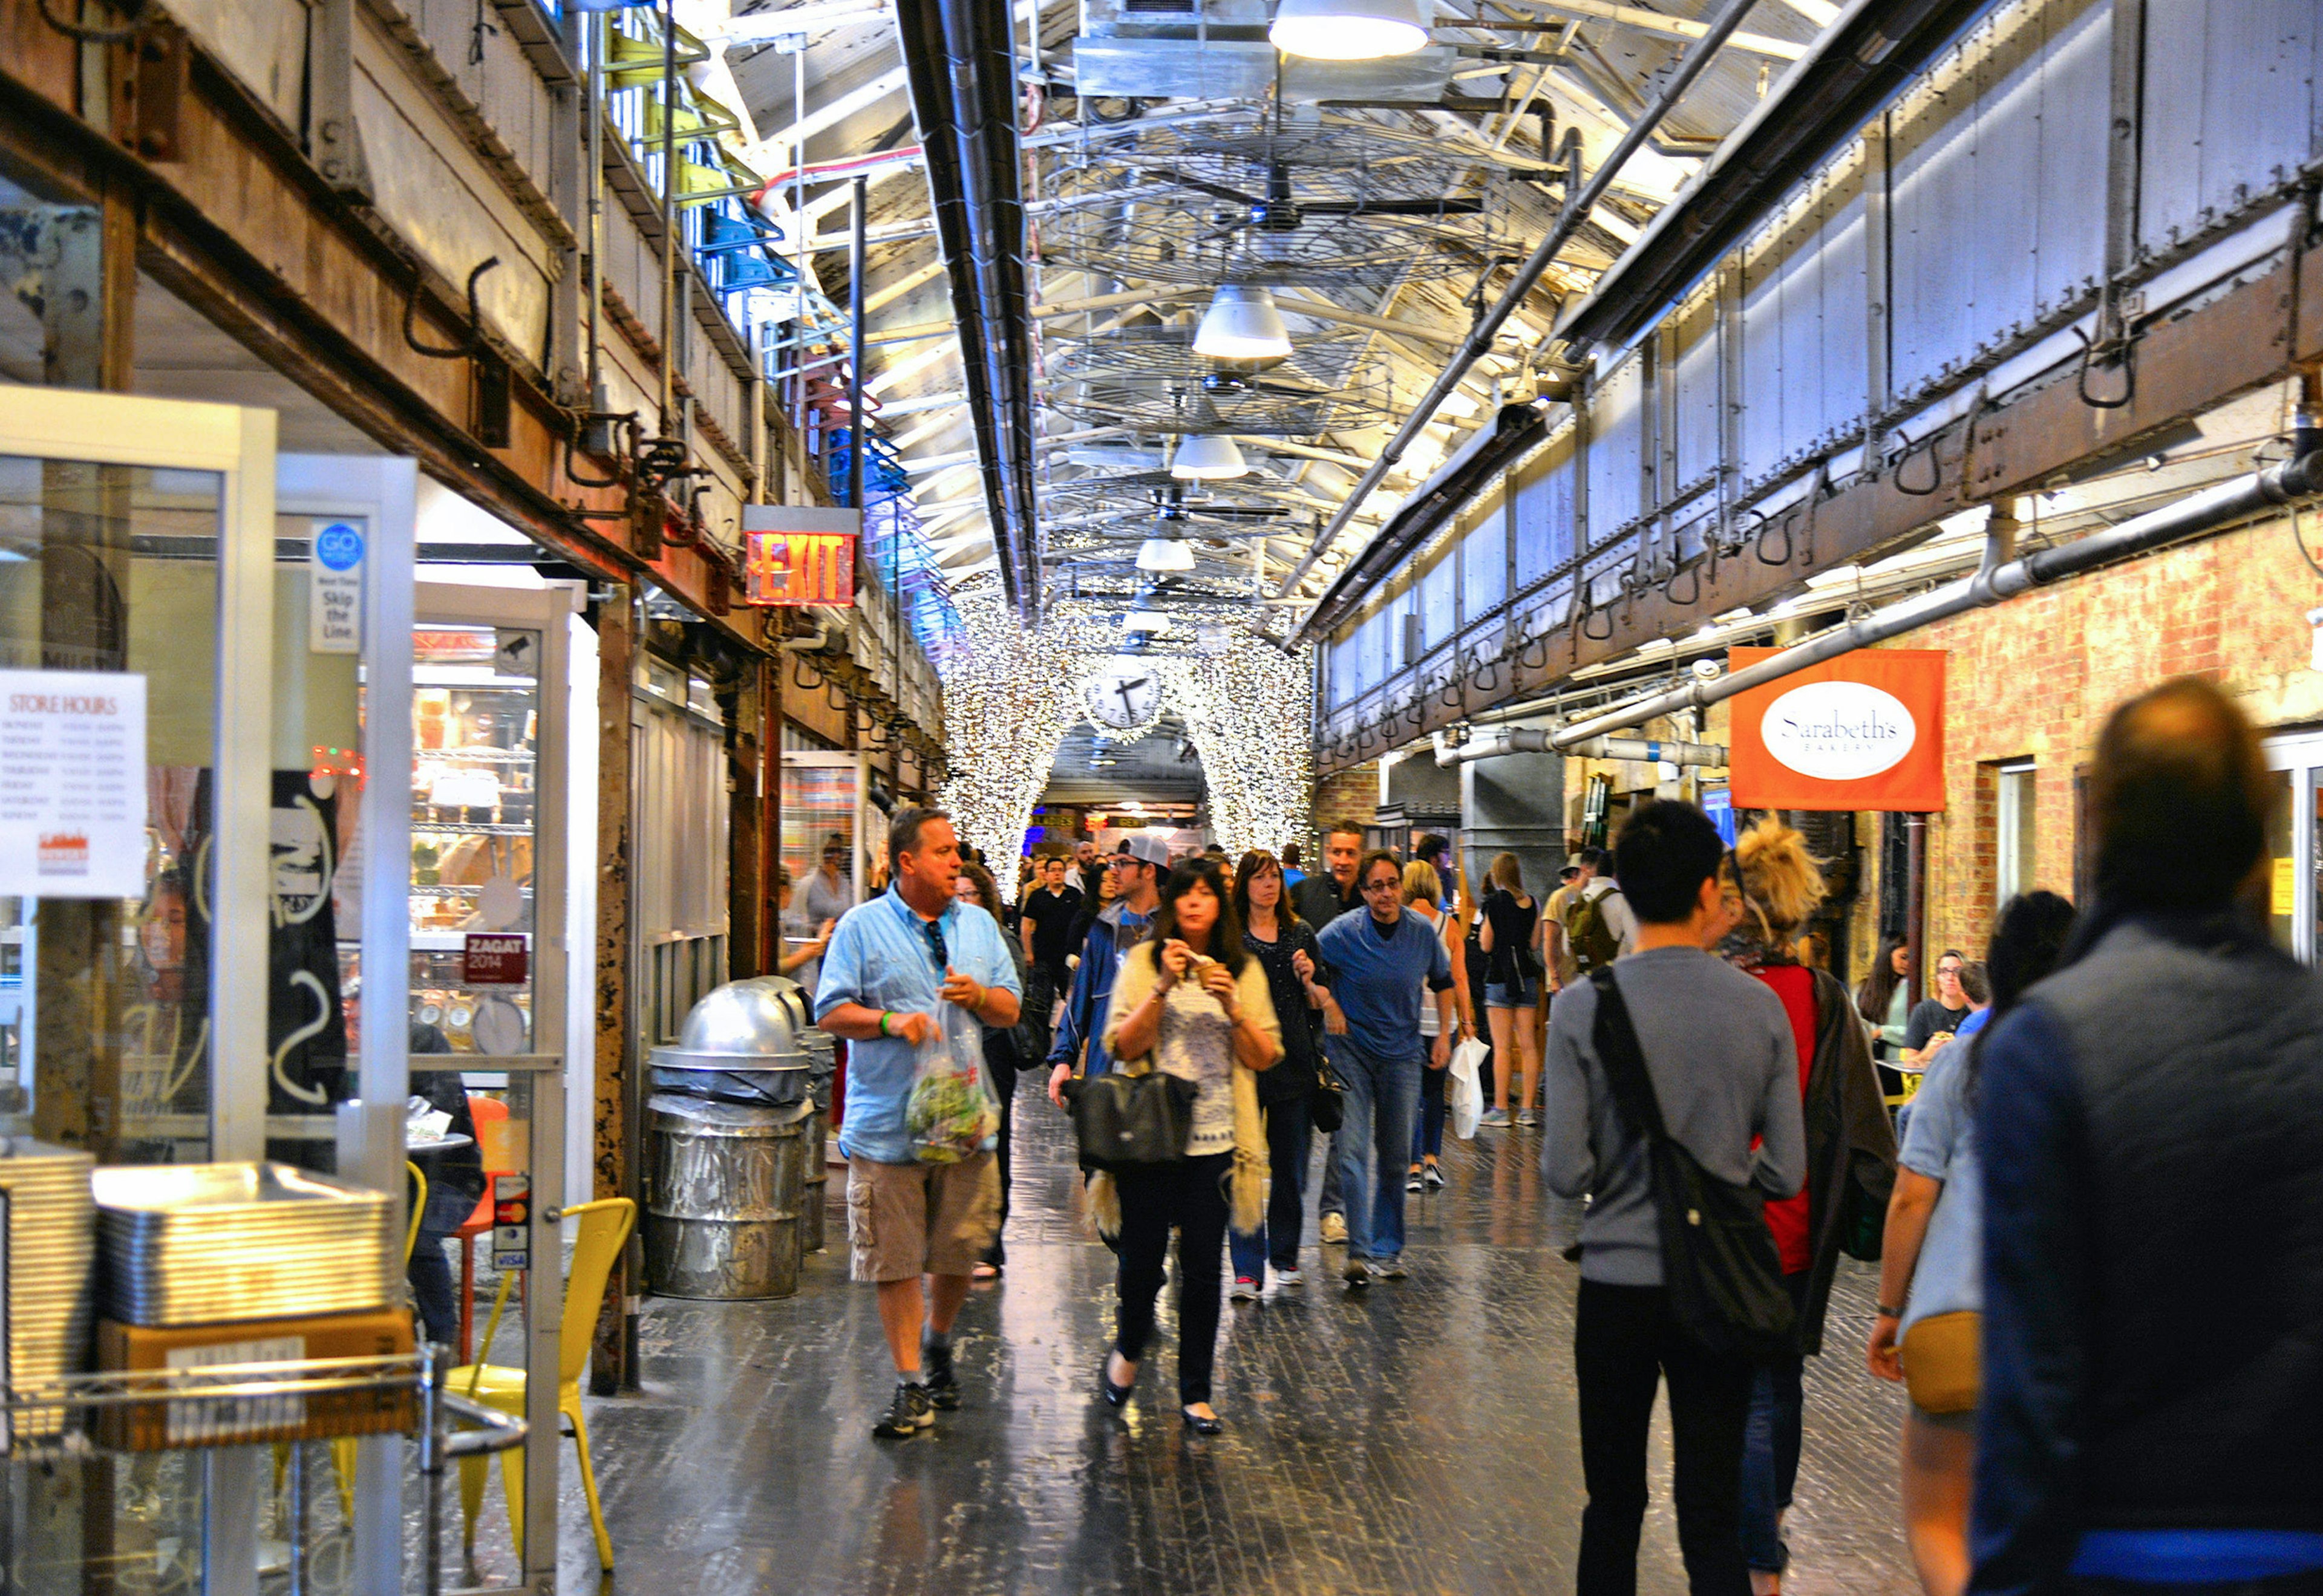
x=1632, y=16
x=1999, y=579
x=1534, y=740
x=961, y=55
x=1569, y=221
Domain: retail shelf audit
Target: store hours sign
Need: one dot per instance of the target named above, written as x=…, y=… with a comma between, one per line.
x=72, y=784
x=1864, y=731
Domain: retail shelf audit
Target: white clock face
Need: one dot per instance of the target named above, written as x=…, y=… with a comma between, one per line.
x=1122, y=699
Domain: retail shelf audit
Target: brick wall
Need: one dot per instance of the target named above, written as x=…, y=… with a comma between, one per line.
x=2034, y=678
x=1352, y=794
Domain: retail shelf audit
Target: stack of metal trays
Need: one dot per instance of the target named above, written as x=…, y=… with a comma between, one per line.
x=222, y=1244
x=51, y=1266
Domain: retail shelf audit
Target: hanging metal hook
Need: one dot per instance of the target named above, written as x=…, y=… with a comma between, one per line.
x=79, y=33
x=1935, y=466
x=473, y=339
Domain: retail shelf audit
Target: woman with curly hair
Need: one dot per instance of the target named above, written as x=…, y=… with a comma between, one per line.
x=1772, y=887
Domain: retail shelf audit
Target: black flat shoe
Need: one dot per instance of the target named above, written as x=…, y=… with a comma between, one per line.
x=1115, y=1395
x=1201, y=1425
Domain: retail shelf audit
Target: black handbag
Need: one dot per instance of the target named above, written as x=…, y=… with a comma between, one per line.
x=1327, y=1108
x=1719, y=1262
x=1131, y=1120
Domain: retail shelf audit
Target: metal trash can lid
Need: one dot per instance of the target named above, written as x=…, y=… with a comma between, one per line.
x=756, y=1024
x=705, y=1117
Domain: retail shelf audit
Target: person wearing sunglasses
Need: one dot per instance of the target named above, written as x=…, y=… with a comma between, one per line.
x=892, y=964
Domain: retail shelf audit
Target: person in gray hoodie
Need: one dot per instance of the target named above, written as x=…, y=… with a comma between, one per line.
x=1720, y=1053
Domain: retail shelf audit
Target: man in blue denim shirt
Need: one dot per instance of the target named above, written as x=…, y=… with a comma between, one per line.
x=892, y=963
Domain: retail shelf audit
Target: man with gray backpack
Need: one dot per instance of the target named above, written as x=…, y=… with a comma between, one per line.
x=1671, y=1098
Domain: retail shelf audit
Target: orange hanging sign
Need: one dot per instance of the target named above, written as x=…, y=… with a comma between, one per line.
x=1864, y=731
x=793, y=555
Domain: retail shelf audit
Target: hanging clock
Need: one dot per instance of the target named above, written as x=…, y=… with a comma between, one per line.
x=1123, y=698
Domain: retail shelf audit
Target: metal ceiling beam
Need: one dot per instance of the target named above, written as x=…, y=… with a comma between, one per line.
x=1631, y=16
x=1861, y=59
x=961, y=58
x=1569, y=221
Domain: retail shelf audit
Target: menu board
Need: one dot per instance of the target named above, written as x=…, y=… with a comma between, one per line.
x=72, y=784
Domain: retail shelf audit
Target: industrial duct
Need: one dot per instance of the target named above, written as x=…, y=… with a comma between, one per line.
x=1530, y=739
x=961, y=55
x=2002, y=577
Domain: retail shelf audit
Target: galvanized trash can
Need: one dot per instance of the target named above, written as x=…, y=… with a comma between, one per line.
x=741, y=1044
x=722, y=1200
x=822, y=1052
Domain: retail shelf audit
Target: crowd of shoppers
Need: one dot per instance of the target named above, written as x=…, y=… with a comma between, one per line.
x=2094, y=1242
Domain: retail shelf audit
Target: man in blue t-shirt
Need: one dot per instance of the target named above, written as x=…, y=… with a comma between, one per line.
x=1381, y=960
x=893, y=965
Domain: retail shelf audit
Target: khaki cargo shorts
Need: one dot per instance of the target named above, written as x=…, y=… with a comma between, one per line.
x=907, y=1220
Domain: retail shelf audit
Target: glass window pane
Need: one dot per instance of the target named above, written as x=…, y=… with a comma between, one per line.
x=2282, y=864
x=315, y=930
x=108, y=616
x=475, y=710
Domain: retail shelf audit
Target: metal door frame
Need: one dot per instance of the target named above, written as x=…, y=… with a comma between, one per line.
x=547, y=609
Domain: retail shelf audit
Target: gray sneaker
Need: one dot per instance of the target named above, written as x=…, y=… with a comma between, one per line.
x=1528, y=1119
x=1389, y=1268
x=1496, y=1117
x=1290, y=1279
x=908, y=1415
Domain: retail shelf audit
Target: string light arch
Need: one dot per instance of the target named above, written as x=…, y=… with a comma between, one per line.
x=1010, y=696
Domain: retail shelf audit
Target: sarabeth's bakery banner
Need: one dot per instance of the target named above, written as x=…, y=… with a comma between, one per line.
x=1865, y=730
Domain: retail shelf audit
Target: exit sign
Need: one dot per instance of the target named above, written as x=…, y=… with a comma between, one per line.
x=797, y=555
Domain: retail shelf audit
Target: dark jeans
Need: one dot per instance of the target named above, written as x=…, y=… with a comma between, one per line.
x=1004, y=1084
x=1625, y=1344
x=1042, y=985
x=430, y=1274
x=451, y=1198
x=1374, y=1139
x=1289, y=1139
x=1331, y=1201
x=1771, y=1449
x=1191, y=1196
x=1427, y=1131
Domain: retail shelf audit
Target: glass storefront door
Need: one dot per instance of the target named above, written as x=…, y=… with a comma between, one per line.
x=136, y=537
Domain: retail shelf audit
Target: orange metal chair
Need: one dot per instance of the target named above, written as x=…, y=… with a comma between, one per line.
x=490, y=1115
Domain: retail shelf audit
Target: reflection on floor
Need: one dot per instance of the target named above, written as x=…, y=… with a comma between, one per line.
x=1419, y=1439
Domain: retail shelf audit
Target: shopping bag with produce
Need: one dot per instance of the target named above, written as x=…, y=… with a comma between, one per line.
x=953, y=1110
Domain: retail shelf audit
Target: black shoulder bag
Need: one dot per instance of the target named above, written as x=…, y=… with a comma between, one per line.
x=1131, y=1120
x=1719, y=1264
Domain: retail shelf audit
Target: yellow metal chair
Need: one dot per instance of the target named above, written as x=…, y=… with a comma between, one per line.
x=342, y=1450
x=605, y=1226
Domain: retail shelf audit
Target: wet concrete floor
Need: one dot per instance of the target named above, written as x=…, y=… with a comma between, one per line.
x=1419, y=1439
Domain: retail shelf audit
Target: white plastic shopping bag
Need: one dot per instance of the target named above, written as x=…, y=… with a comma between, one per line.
x=953, y=1111
x=1466, y=1089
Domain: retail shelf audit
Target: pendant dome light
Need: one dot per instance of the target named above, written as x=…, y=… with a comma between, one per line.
x=1164, y=553
x=1348, y=30
x=1211, y=457
x=1242, y=324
